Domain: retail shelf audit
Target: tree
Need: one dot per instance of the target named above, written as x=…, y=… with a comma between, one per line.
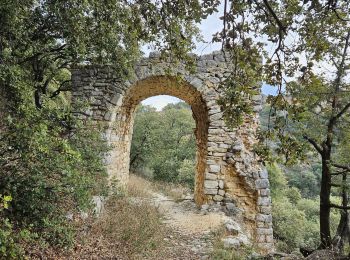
x=310, y=112
x=164, y=142
x=50, y=162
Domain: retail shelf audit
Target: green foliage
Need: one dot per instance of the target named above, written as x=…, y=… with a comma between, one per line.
x=164, y=142
x=50, y=162
x=186, y=173
x=295, y=219
x=305, y=179
x=289, y=224
x=10, y=238
x=304, y=48
x=9, y=246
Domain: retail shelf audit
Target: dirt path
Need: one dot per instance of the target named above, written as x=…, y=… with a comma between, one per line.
x=191, y=229
x=129, y=227
x=186, y=217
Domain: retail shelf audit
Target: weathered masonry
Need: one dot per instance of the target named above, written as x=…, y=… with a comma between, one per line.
x=227, y=169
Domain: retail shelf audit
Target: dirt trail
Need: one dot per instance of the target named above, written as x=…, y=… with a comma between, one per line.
x=191, y=229
x=185, y=216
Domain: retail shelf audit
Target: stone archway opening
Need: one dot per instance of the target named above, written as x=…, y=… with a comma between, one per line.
x=153, y=86
x=229, y=173
x=163, y=146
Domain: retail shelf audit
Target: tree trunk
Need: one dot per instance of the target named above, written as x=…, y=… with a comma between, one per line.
x=343, y=231
x=325, y=193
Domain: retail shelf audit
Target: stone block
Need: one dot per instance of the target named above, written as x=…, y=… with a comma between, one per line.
x=264, y=201
x=232, y=227
x=262, y=184
x=264, y=192
x=264, y=231
x=264, y=217
x=211, y=184
x=214, y=168
x=269, y=238
x=210, y=191
x=210, y=176
x=230, y=206
x=265, y=209
x=154, y=54
x=264, y=174
x=115, y=99
x=197, y=83
x=261, y=239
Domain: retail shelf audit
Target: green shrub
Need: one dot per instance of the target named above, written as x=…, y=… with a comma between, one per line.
x=164, y=143
x=186, y=173
x=51, y=165
x=289, y=224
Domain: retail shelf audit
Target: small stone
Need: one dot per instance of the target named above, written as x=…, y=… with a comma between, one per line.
x=243, y=239
x=218, y=198
x=205, y=207
x=256, y=98
x=84, y=215
x=233, y=228
x=221, y=192
x=237, y=148
x=257, y=108
x=98, y=202
x=231, y=242
x=230, y=206
x=189, y=197
x=154, y=54
x=69, y=216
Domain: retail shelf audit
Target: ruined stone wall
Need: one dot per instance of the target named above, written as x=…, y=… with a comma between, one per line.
x=228, y=171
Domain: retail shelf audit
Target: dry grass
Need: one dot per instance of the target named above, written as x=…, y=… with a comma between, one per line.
x=130, y=227
x=174, y=191
x=137, y=227
x=139, y=187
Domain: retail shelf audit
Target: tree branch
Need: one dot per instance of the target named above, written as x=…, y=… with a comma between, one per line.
x=62, y=87
x=342, y=112
x=340, y=173
x=339, y=207
x=272, y=12
x=314, y=143
x=344, y=167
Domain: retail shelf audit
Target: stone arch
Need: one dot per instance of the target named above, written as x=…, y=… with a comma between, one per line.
x=161, y=85
x=230, y=172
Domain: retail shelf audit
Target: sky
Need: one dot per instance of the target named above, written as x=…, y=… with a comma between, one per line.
x=208, y=27
x=162, y=100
